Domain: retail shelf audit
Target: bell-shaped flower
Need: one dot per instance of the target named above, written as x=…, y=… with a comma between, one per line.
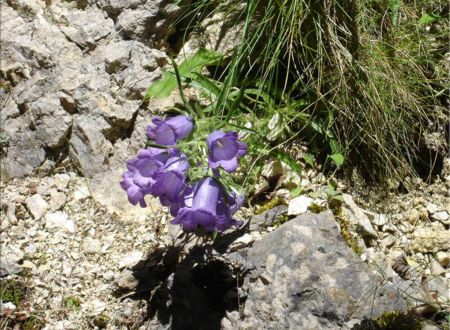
x=171, y=180
x=225, y=150
x=168, y=132
x=135, y=193
x=140, y=177
x=208, y=207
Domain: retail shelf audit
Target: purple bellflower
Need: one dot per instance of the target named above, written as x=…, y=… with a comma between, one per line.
x=135, y=193
x=225, y=150
x=168, y=132
x=208, y=206
x=140, y=177
x=171, y=180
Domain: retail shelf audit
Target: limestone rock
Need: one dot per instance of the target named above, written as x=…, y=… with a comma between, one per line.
x=92, y=246
x=126, y=280
x=37, y=206
x=432, y=237
x=441, y=216
x=57, y=201
x=243, y=241
x=358, y=218
x=51, y=121
x=87, y=27
x=10, y=256
x=23, y=155
x=59, y=221
x=266, y=218
x=306, y=277
x=133, y=23
x=119, y=114
x=443, y=258
x=89, y=149
x=106, y=191
x=114, y=7
x=117, y=54
x=131, y=259
x=299, y=205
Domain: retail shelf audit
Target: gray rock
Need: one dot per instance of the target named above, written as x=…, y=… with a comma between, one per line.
x=305, y=277
x=114, y=7
x=51, y=122
x=27, y=7
x=220, y=32
x=299, y=205
x=106, y=191
x=441, y=216
x=80, y=82
x=38, y=41
x=59, y=221
x=57, y=201
x=126, y=280
x=142, y=71
x=92, y=246
x=37, y=206
x=23, y=155
x=67, y=102
x=432, y=237
x=131, y=259
x=357, y=218
x=117, y=54
x=118, y=114
x=135, y=23
x=267, y=218
x=89, y=149
x=11, y=213
x=377, y=219
x=241, y=242
x=10, y=256
x=87, y=27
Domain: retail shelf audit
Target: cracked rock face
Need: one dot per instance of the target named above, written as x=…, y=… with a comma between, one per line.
x=73, y=77
x=289, y=289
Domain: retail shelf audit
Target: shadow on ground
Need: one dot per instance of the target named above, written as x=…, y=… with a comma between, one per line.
x=190, y=290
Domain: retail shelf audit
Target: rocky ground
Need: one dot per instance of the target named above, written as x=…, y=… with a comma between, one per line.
x=74, y=249
x=76, y=255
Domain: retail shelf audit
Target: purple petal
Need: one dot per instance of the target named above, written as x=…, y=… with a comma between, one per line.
x=169, y=184
x=180, y=164
x=151, y=128
x=223, y=149
x=236, y=201
x=135, y=196
x=161, y=133
x=206, y=195
x=127, y=180
x=207, y=206
x=213, y=137
x=181, y=125
x=228, y=165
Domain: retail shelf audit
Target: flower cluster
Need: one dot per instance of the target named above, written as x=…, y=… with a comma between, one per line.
x=162, y=171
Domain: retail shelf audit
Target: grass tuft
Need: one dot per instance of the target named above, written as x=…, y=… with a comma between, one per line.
x=372, y=73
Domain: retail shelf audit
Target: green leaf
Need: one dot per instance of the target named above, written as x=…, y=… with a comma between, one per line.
x=194, y=64
x=395, y=5
x=296, y=192
x=287, y=159
x=204, y=83
x=338, y=159
x=309, y=159
x=428, y=19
